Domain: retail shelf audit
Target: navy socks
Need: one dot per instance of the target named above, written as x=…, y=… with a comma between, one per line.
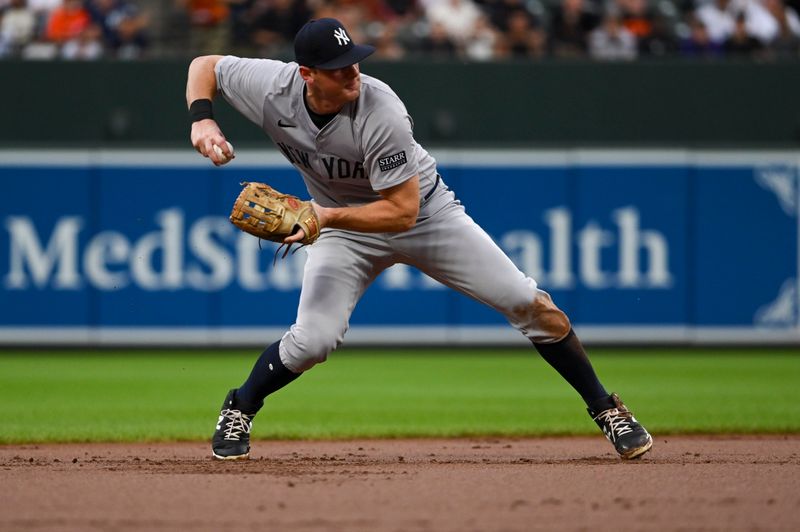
x=566, y=356
x=569, y=359
x=268, y=375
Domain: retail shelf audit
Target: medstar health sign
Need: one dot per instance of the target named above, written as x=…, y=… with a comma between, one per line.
x=667, y=246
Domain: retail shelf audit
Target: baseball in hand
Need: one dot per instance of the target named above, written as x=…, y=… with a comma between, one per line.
x=221, y=154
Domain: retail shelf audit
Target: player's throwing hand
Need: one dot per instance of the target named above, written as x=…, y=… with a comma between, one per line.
x=209, y=141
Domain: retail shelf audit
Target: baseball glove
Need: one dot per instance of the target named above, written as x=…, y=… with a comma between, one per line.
x=264, y=212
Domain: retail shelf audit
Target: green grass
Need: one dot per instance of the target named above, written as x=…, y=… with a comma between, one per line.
x=151, y=396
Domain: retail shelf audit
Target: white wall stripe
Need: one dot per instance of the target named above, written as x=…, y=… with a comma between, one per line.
x=268, y=156
x=409, y=336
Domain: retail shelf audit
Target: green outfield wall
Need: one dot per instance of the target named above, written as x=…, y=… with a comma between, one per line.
x=516, y=104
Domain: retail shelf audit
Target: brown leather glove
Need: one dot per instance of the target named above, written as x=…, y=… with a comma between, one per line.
x=264, y=212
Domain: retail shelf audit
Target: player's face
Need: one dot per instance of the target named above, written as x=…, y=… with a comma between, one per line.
x=341, y=85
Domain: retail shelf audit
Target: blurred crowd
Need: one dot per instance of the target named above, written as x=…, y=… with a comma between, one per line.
x=470, y=30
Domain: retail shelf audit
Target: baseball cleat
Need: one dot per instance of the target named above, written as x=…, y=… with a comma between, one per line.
x=231, y=440
x=628, y=436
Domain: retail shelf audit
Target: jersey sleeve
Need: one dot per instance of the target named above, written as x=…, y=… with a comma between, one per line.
x=389, y=143
x=244, y=83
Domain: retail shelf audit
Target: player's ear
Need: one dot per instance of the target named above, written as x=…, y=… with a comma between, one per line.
x=306, y=73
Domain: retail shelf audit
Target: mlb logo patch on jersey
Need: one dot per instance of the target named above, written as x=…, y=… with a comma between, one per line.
x=392, y=161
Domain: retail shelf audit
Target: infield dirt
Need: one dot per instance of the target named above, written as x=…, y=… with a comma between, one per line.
x=685, y=483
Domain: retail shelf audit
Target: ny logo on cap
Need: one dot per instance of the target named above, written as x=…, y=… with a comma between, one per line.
x=341, y=37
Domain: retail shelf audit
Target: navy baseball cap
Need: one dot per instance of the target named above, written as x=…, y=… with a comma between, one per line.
x=324, y=43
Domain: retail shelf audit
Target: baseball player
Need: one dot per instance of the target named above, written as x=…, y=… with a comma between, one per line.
x=379, y=201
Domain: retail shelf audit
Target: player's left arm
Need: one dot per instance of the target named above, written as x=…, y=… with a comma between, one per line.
x=395, y=212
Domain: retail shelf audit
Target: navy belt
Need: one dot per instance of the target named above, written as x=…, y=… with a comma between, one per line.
x=433, y=188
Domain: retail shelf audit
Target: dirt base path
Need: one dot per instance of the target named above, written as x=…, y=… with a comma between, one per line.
x=685, y=483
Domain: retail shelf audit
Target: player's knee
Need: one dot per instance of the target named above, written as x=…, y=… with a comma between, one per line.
x=306, y=354
x=552, y=321
x=305, y=349
x=541, y=320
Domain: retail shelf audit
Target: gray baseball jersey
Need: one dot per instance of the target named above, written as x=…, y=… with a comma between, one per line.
x=369, y=146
